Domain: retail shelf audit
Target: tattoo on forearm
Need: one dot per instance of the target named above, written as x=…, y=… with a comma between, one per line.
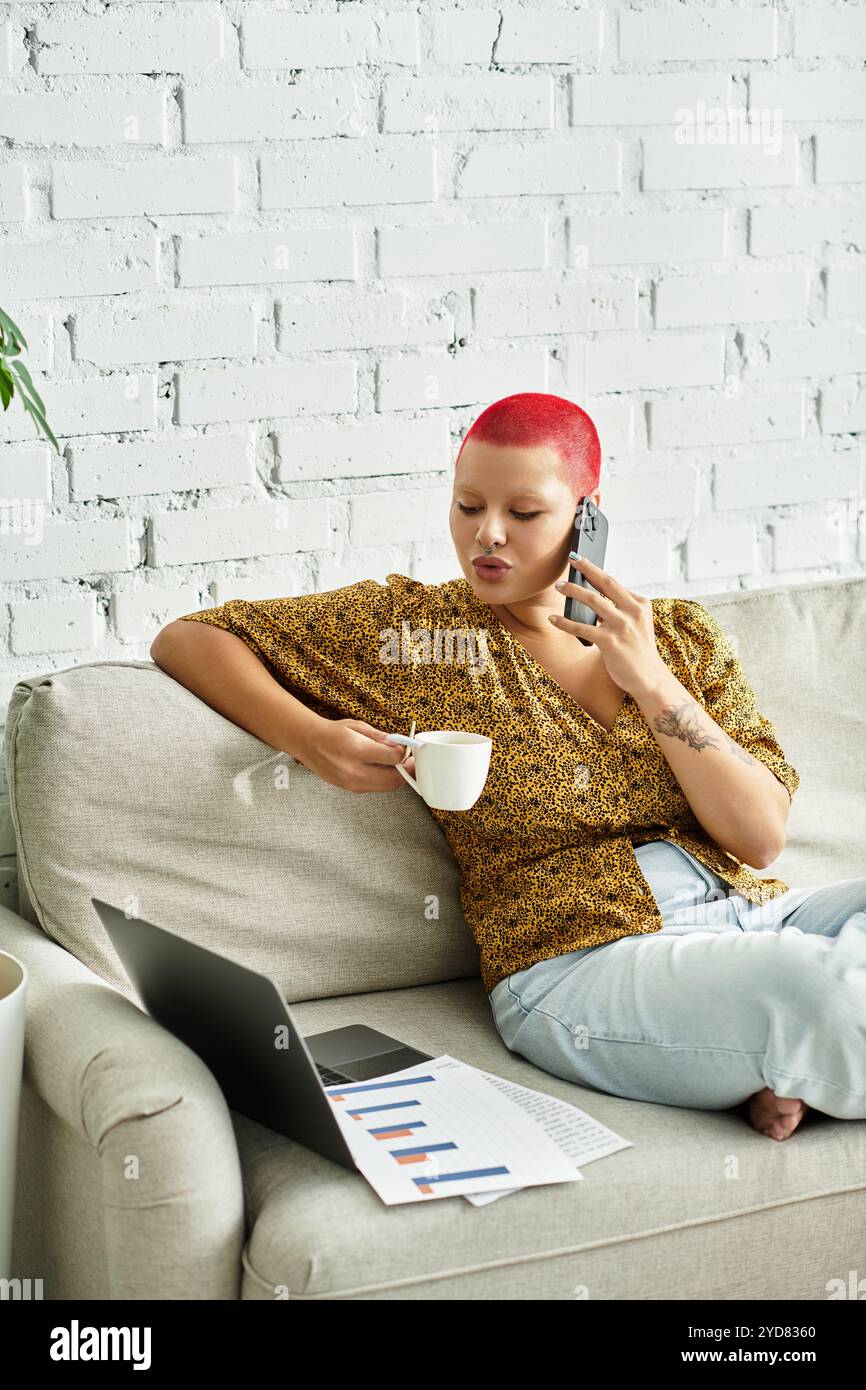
x=683, y=722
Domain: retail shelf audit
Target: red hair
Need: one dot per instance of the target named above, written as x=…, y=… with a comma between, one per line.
x=533, y=418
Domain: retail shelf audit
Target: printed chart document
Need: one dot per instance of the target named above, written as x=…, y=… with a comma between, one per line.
x=579, y=1136
x=440, y=1129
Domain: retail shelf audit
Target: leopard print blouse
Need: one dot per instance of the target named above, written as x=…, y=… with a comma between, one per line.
x=546, y=855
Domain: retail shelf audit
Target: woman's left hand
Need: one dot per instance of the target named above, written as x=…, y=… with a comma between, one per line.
x=625, y=632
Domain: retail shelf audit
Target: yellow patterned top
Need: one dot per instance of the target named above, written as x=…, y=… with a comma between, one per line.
x=546, y=855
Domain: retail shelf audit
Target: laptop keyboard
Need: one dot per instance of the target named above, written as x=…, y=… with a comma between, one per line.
x=329, y=1076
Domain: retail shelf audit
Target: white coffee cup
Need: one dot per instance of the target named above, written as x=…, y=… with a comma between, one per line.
x=451, y=767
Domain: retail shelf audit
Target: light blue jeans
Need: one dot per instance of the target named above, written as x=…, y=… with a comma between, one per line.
x=729, y=997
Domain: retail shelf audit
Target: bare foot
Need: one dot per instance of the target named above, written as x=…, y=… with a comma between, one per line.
x=775, y=1116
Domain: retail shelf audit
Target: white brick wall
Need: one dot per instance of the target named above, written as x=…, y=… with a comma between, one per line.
x=273, y=259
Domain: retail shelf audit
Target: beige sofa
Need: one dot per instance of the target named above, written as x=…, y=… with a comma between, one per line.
x=136, y=1181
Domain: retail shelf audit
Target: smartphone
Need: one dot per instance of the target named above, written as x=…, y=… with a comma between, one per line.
x=588, y=538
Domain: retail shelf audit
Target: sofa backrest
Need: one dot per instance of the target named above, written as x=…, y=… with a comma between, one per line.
x=803, y=647
x=125, y=786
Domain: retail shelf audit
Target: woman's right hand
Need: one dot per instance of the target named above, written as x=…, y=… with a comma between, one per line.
x=350, y=753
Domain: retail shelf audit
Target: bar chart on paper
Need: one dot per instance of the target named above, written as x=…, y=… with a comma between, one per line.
x=440, y=1130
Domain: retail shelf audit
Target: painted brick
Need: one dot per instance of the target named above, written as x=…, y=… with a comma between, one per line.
x=332, y=173
x=162, y=465
x=840, y=157
x=614, y=419
x=88, y=118
x=234, y=533
x=701, y=421
x=804, y=543
x=842, y=409
x=364, y=450
x=833, y=95
x=276, y=39
x=516, y=36
x=97, y=405
x=384, y=318
x=651, y=494
x=777, y=231
x=721, y=552
x=62, y=550
x=130, y=38
x=13, y=192
x=645, y=99
x=479, y=102
x=183, y=326
x=138, y=614
x=669, y=35
x=622, y=238
x=772, y=164
x=143, y=186
x=247, y=112
x=829, y=31
x=655, y=361
x=752, y=297
x=262, y=586
x=538, y=309
x=46, y=269
x=237, y=393
x=57, y=625
x=816, y=351
x=39, y=353
x=565, y=166
x=775, y=482
x=470, y=378
x=411, y=513
x=25, y=473
x=271, y=257
x=455, y=248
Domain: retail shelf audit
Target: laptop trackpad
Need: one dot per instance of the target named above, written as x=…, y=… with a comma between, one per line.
x=361, y=1052
x=382, y=1063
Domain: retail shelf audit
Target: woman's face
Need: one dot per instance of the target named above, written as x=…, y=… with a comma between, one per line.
x=518, y=500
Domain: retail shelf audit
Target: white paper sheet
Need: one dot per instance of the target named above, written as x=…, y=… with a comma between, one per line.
x=440, y=1129
x=580, y=1137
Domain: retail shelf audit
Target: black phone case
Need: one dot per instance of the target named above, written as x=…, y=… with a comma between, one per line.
x=589, y=538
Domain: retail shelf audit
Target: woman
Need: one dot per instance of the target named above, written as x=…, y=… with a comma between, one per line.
x=624, y=941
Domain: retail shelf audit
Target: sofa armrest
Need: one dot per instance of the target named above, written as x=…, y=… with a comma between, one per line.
x=154, y=1116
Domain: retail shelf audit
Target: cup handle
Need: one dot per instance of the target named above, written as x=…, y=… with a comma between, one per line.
x=409, y=778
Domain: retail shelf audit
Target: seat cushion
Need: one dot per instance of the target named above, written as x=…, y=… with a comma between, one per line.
x=125, y=786
x=702, y=1206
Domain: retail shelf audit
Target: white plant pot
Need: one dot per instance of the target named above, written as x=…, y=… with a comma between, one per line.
x=13, y=987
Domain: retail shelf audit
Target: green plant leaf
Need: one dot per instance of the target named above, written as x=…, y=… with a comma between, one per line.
x=39, y=416
x=14, y=373
x=7, y=327
x=21, y=371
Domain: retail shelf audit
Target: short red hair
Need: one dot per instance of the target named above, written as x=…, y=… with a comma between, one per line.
x=532, y=418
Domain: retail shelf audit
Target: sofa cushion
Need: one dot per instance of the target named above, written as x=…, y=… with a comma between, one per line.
x=127, y=787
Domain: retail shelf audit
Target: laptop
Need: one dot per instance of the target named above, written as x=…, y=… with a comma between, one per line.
x=242, y=1028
